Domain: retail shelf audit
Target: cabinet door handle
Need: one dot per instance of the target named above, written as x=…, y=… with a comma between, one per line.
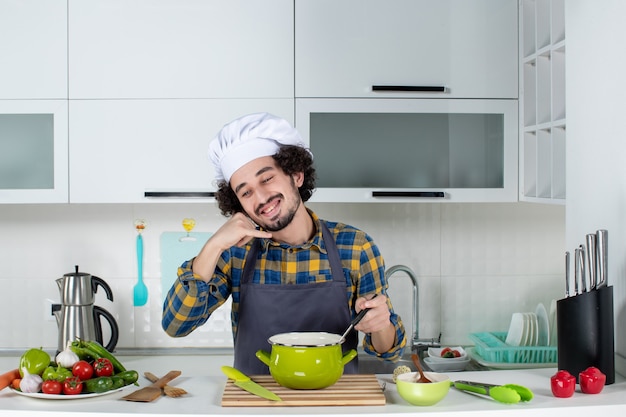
x=418, y=88
x=421, y=194
x=179, y=194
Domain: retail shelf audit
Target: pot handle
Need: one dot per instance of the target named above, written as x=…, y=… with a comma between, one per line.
x=348, y=356
x=263, y=357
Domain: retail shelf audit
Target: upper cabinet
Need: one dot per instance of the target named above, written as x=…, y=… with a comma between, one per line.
x=542, y=101
x=33, y=151
x=33, y=49
x=181, y=49
x=134, y=151
x=366, y=48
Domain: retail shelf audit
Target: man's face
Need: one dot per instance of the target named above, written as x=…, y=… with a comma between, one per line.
x=266, y=193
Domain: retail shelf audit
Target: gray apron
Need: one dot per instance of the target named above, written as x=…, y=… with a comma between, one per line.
x=268, y=309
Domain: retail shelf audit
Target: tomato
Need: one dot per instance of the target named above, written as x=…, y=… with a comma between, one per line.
x=444, y=351
x=456, y=353
x=591, y=380
x=72, y=386
x=563, y=384
x=103, y=367
x=83, y=370
x=51, y=387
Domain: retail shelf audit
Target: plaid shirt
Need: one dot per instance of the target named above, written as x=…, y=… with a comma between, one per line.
x=190, y=301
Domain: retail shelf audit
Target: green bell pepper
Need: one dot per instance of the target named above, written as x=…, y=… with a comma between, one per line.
x=56, y=374
x=34, y=361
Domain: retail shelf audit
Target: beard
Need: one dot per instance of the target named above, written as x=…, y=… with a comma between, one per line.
x=280, y=222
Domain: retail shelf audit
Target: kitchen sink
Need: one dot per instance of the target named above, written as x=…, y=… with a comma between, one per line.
x=369, y=364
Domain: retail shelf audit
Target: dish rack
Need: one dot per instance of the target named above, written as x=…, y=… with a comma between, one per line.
x=491, y=347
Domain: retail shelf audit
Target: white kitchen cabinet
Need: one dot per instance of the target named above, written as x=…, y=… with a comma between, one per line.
x=181, y=49
x=468, y=47
x=542, y=101
x=422, y=150
x=33, y=49
x=33, y=151
x=122, y=149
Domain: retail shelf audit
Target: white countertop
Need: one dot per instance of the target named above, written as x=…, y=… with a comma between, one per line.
x=204, y=382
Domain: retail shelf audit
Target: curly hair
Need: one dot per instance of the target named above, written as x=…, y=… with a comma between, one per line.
x=290, y=159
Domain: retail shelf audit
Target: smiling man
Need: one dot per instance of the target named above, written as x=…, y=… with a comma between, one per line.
x=286, y=269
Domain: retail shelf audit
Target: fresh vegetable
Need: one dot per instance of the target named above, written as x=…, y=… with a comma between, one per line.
x=30, y=383
x=563, y=384
x=16, y=383
x=98, y=385
x=103, y=367
x=52, y=387
x=402, y=369
x=94, y=350
x=448, y=352
x=67, y=358
x=591, y=380
x=129, y=377
x=72, y=386
x=118, y=382
x=7, y=378
x=83, y=370
x=56, y=373
x=34, y=361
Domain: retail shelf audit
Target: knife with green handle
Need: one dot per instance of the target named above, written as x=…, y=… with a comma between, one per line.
x=244, y=382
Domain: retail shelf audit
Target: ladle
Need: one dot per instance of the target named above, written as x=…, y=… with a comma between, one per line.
x=422, y=377
x=355, y=321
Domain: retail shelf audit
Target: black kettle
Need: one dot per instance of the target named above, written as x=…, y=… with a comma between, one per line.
x=77, y=316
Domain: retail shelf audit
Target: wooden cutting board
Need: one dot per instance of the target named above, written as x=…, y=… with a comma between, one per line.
x=349, y=390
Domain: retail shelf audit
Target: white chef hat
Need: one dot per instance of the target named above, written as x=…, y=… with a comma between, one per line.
x=247, y=138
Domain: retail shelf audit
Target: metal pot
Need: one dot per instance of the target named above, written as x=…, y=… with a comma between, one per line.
x=306, y=360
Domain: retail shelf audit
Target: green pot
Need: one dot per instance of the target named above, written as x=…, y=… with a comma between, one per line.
x=306, y=360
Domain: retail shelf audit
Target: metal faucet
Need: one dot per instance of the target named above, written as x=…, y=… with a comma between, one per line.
x=417, y=344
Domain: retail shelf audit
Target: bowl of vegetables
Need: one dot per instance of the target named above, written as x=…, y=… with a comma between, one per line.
x=447, y=354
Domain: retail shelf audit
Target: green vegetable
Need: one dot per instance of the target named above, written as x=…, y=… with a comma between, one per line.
x=94, y=350
x=118, y=382
x=58, y=373
x=34, y=361
x=98, y=385
x=129, y=377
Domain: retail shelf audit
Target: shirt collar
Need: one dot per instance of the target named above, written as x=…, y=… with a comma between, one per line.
x=315, y=241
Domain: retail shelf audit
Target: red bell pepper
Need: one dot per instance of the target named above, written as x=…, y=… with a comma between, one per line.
x=591, y=380
x=563, y=384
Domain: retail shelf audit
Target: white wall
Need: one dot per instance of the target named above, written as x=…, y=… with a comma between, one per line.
x=476, y=263
x=596, y=143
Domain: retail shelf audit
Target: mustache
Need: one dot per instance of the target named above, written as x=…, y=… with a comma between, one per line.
x=269, y=200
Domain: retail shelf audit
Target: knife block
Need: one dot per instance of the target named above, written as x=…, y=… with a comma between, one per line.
x=586, y=334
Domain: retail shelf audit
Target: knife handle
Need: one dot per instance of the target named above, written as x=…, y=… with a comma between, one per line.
x=590, y=254
x=602, y=245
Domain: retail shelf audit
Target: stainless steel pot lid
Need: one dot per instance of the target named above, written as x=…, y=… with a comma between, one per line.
x=305, y=339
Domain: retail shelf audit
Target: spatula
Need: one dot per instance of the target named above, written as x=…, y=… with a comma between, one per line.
x=152, y=392
x=140, y=291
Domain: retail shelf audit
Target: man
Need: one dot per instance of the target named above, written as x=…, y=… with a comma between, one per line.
x=286, y=269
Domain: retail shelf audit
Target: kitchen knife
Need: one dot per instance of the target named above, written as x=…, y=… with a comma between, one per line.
x=590, y=255
x=244, y=382
x=583, y=276
x=602, y=246
x=576, y=271
x=567, y=274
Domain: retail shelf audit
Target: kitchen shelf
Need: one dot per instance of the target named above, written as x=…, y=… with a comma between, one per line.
x=542, y=95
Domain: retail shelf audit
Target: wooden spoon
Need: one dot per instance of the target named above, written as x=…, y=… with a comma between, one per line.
x=422, y=377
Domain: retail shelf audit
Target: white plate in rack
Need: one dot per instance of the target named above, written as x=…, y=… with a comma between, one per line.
x=543, y=324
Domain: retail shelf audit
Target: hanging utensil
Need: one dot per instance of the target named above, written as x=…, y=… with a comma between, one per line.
x=355, y=321
x=140, y=291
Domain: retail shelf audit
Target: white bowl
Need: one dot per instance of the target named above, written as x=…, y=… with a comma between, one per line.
x=447, y=366
x=435, y=354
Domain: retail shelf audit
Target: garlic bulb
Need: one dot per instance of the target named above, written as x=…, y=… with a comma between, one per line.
x=31, y=383
x=67, y=358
